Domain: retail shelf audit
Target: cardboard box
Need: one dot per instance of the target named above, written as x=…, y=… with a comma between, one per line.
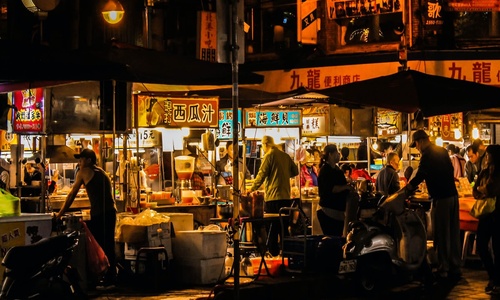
x=199, y=244
x=143, y=234
x=181, y=221
x=200, y=271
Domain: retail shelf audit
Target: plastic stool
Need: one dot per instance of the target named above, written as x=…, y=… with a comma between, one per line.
x=468, y=237
x=152, y=265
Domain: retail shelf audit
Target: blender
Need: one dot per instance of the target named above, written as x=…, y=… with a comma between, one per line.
x=184, y=168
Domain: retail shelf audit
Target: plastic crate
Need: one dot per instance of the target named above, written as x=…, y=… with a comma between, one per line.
x=293, y=249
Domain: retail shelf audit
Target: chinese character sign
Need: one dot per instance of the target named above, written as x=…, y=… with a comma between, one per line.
x=172, y=112
x=278, y=118
x=28, y=117
x=207, y=39
x=226, y=124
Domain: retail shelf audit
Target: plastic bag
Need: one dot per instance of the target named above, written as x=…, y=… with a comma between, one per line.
x=483, y=207
x=10, y=205
x=96, y=258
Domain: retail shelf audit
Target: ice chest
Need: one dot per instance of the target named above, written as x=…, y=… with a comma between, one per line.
x=199, y=271
x=199, y=244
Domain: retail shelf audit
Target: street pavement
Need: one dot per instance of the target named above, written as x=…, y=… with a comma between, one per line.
x=311, y=286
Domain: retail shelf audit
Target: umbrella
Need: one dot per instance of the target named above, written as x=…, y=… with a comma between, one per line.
x=152, y=66
x=411, y=91
x=39, y=66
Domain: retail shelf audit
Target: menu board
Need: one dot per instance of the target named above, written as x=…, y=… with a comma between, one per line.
x=447, y=125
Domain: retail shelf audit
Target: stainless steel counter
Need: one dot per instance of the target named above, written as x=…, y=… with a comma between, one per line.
x=26, y=217
x=56, y=202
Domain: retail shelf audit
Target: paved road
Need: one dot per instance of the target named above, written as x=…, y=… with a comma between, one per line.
x=471, y=286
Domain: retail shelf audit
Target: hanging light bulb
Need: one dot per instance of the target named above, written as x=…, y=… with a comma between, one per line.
x=113, y=12
x=457, y=133
x=475, y=132
x=439, y=139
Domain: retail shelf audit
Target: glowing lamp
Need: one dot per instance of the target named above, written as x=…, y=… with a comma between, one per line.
x=113, y=12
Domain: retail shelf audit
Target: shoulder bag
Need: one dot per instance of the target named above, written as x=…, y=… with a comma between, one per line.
x=483, y=207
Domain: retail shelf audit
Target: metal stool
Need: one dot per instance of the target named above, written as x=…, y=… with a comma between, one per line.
x=469, y=238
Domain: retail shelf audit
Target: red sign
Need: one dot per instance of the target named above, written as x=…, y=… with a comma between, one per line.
x=177, y=112
x=28, y=116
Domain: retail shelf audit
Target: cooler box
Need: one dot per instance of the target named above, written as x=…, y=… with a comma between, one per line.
x=199, y=244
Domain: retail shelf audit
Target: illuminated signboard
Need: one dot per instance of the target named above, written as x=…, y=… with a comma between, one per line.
x=388, y=123
x=273, y=118
x=226, y=124
x=315, y=120
x=28, y=117
x=175, y=112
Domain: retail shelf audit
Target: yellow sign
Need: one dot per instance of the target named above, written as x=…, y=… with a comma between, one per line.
x=176, y=112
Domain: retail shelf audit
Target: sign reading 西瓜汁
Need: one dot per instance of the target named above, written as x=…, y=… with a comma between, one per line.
x=226, y=124
x=28, y=117
x=272, y=118
x=175, y=112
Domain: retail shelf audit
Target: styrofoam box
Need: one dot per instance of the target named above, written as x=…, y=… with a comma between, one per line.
x=199, y=244
x=181, y=221
x=200, y=271
x=130, y=250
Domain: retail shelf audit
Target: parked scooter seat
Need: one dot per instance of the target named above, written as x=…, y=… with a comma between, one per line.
x=24, y=260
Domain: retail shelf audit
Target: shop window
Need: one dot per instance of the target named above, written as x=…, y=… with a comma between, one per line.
x=476, y=25
x=273, y=26
x=371, y=29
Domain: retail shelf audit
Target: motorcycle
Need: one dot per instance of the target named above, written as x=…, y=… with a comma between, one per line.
x=41, y=270
x=389, y=246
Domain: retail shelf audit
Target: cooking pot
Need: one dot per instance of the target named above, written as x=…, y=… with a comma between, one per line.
x=225, y=210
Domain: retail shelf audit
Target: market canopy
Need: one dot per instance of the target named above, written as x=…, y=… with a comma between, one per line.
x=29, y=66
x=411, y=91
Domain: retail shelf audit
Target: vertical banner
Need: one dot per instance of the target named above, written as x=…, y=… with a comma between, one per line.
x=206, y=43
x=29, y=111
x=307, y=22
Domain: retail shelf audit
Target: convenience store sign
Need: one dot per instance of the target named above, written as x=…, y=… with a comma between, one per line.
x=176, y=112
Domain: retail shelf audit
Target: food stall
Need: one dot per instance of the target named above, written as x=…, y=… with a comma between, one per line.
x=324, y=124
x=185, y=125
x=283, y=125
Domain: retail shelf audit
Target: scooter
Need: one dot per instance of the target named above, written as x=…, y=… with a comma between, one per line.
x=390, y=246
x=41, y=270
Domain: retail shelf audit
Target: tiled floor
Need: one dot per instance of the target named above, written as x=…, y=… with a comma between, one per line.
x=471, y=286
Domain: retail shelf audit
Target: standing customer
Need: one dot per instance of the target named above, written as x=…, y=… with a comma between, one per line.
x=388, y=178
x=333, y=193
x=436, y=169
x=102, y=208
x=488, y=185
x=275, y=172
x=470, y=165
x=225, y=164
